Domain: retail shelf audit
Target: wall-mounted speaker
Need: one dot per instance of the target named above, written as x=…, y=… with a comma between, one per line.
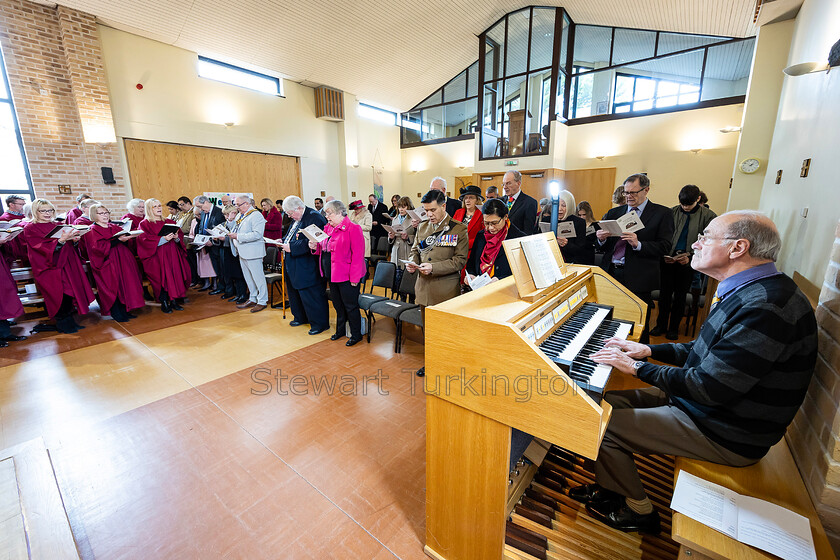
x=108, y=176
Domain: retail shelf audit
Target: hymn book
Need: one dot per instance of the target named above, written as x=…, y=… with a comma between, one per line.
x=9, y=233
x=314, y=233
x=395, y=229
x=59, y=230
x=541, y=262
x=273, y=241
x=220, y=231
x=201, y=239
x=418, y=214
x=629, y=222
x=566, y=230
x=6, y=225
x=169, y=228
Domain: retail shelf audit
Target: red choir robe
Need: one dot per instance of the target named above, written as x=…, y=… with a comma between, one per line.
x=84, y=221
x=114, y=269
x=10, y=306
x=135, y=224
x=73, y=215
x=57, y=272
x=165, y=266
x=15, y=249
x=273, y=224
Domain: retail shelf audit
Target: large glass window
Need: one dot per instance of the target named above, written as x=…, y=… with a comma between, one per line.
x=15, y=178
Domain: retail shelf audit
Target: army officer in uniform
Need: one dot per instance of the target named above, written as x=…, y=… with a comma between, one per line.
x=439, y=253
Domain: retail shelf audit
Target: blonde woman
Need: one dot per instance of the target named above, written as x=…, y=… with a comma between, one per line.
x=57, y=267
x=163, y=257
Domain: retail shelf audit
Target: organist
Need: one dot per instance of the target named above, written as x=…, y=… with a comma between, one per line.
x=730, y=394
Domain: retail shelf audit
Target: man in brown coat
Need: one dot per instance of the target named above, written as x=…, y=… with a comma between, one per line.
x=439, y=253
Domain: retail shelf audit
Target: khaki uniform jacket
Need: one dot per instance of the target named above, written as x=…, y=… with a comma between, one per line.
x=447, y=261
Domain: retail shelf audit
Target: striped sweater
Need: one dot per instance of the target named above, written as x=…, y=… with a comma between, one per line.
x=744, y=377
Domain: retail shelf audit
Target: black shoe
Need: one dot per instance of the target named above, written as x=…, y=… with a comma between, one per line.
x=296, y=324
x=176, y=306
x=593, y=494
x=336, y=336
x=352, y=341
x=131, y=315
x=13, y=338
x=203, y=288
x=3, y=343
x=656, y=331
x=672, y=335
x=228, y=296
x=619, y=516
x=215, y=292
x=166, y=306
x=421, y=372
x=316, y=331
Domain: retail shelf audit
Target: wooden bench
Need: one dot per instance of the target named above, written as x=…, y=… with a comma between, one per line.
x=775, y=478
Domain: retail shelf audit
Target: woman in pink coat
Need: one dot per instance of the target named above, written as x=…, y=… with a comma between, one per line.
x=346, y=247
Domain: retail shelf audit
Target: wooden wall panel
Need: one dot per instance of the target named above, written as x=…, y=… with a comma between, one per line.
x=593, y=185
x=168, y=171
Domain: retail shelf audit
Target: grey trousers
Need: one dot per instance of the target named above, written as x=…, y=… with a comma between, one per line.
x=252, y=270
x=643, y=422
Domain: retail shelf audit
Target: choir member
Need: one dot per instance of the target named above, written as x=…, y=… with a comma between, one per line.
x=163, y=257
x=273, y=220
x=115, y=272
x=77, y=210
x=57, y=268
x=83, y=218
x=10, y=306
x=136, y=212
x=14, y=250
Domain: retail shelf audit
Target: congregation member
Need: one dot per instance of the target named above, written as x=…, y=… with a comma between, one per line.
x=236, y=289
x=273, y=220
x=439, y=254
x=726, y=397
x=401, y=244
x=452, y=205
x=492, y=192
x=211, y=216
x=136, y=212
x=307, y=299
x=393, y=210
x=248, y=245
x=319, y=205
x=279, y=205
x=57, y=268
x=205, y=274
x=574, y=249
x=10, y=305
x=586, y=214
x=77, y=210
x=346, y=267
x=379, y=216
x=522, y=209
x=633, y=259
x=15, y=249
x=164, y=259
x=487, y=254
x=174, y=211
x=119, y=287
x=618, y=198
x=227, y=200
x=187, y=216
x=361, y=217
x=676, y=274
x=470, y=215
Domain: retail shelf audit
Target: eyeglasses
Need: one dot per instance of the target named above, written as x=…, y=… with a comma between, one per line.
x=238, y=204
x=494, y=223
x=706, y=239
x=633, y=193
x=105, y=213
x=47, y=211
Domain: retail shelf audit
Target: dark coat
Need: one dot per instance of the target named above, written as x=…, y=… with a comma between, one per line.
x=501, y=268
x=452, y=204
x=216, y=218
x=523, y=213
x=641, y=268
x=578, y=250
x=380, y=216
x=301, y=265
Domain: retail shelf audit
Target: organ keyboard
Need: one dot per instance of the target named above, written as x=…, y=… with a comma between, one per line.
x=496, y=361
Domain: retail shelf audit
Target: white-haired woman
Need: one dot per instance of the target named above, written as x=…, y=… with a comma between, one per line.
x=574, y=249
x=57, y=267
x=163, y=257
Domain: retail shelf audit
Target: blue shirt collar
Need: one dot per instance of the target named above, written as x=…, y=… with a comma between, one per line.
x=641, y=207
x=745, y=277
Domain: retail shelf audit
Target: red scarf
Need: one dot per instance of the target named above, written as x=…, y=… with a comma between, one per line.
x=492, y=248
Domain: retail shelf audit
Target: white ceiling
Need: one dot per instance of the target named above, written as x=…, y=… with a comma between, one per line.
x=389, y=52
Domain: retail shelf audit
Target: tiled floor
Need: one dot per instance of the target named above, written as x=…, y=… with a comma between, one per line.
x=217, y=433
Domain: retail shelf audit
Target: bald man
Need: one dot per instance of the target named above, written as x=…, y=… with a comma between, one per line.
x=730, y=394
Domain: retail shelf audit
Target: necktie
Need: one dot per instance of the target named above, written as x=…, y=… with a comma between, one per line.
x=510, y=203
x=621, y=246
x=715, y=301
x=292, y=231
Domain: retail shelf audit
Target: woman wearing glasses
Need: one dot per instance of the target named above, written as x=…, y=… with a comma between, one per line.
x=487, y=254
x=114, y=267
x=163, y=257
x=57, y=267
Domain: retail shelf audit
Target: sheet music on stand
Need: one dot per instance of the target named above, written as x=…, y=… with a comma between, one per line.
x=544, y=268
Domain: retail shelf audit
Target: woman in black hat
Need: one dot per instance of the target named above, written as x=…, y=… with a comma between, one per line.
x=469, y=214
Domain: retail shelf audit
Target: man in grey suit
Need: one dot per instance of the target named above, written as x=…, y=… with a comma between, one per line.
x=248, y=245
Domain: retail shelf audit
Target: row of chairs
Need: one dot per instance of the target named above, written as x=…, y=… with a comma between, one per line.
x=394, y=307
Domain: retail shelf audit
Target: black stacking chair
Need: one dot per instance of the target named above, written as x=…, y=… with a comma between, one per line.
x=383, y=276
x=394, y=308
x=380, y=252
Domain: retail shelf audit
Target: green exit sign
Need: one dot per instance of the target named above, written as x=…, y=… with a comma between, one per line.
x=512, y=162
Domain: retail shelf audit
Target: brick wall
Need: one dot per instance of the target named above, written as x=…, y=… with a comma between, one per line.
x=58, y=84
x=814, y=436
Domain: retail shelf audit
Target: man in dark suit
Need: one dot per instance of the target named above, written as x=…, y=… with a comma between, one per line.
x=211, y=216
x=379, y=212
x=634, y=258
x=307, y=298
x=452, y=204
x=522, y=209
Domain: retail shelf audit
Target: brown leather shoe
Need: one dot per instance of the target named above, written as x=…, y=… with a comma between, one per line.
x=246, y=305
x=257, y=308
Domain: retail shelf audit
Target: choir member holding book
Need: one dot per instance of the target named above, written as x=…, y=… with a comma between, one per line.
x=14, y=249
x=162, y=254
x=10, y=306
x=118, y=283
x=56, y=266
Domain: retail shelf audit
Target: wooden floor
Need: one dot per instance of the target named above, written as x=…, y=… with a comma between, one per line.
x=218, y=433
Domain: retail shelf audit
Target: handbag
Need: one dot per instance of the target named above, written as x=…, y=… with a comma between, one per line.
x=326, y=265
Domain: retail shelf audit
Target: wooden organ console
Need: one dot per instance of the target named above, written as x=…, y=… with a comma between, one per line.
x=508, y=356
